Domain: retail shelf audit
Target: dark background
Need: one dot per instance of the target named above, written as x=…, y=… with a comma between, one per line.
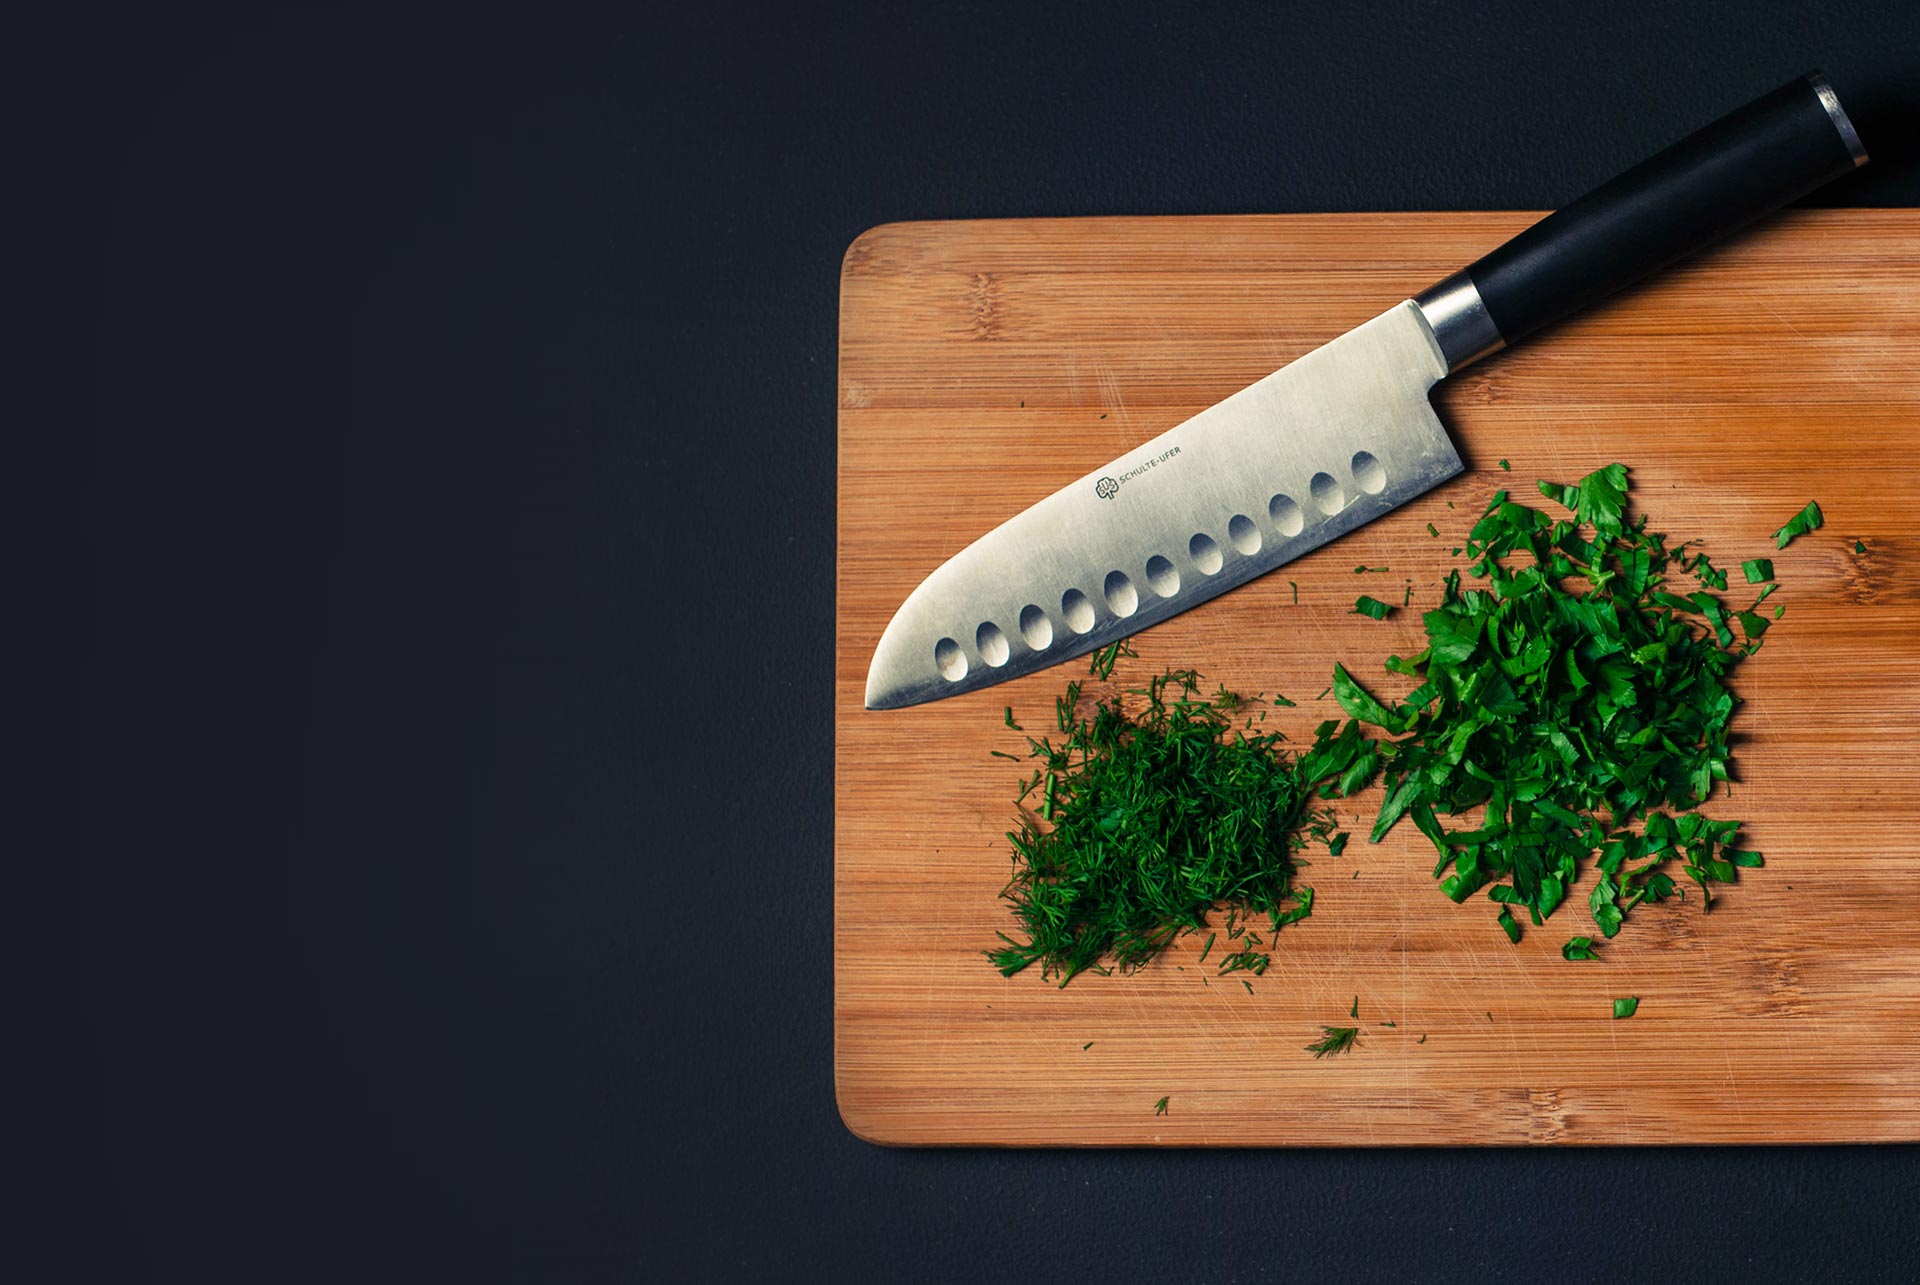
x=450, y=406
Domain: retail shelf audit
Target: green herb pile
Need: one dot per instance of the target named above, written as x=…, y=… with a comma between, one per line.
x=1575, y=703
x=1581, y=690
x=1143, y=826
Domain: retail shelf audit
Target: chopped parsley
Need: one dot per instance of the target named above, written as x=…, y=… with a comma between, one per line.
x=1758, y=570
x=1557, y=717
x=1160, y=1107
x=1807, y=519
x=1625, y=1007
x=1579, y=948
x=1370, y=606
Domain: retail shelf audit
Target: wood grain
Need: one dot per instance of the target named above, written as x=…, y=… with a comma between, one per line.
x=982, y=365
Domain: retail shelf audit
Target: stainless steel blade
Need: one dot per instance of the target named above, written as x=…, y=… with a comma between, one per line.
x=1319, y=447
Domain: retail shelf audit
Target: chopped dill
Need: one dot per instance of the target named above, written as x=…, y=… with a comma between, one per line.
x=1105, y=659
x=1248, y=960
x=1333, y=1039
x=1151, y=823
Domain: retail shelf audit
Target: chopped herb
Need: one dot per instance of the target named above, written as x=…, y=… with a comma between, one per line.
x=1807, y=519
x=1625, y=1007
x=1508, y=467
x=1333, y=1039
x=1151, y=823
x=1108, y=656
x=1560, y=717
x=1758, y=570
x=1392, y=1024
x=1355, y=1010
x=1206, y=949
x=1368, y=606
x=1086, y=1046
x=1779, y=610
x=1859, y=547
x=1249, y=985
x=1296, y=592
x=1160, y=1107
x=1248, y=960
x=1338, y=844
x=1363, y=570
x=1432, y=529
x=1421, y=1040
x=1507, y=925
x=1323, y=693
x=1579, y=948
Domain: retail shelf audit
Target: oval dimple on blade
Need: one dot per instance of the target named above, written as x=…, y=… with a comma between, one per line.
x=1320, y=447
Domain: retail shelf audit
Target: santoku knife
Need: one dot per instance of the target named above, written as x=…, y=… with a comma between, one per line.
x=1337, y=437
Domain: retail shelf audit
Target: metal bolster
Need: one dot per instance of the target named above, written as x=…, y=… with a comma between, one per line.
x=1458, y=317
x=1838, y=114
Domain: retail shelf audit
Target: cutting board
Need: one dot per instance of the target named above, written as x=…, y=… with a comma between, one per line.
x=984, y=364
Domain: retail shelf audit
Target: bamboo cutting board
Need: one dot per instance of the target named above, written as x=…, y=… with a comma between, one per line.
x=983, y=365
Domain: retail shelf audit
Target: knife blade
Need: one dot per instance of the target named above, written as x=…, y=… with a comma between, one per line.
x=1336, y=438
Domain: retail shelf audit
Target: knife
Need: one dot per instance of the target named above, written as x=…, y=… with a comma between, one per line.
x=1337, y=437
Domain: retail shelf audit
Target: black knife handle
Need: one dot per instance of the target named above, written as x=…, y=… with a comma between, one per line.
x=1746, y=164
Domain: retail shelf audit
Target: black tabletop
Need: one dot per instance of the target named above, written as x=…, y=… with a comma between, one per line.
x=455, y=428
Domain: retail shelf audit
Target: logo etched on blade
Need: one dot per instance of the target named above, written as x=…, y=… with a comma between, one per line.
x=1108, y=487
